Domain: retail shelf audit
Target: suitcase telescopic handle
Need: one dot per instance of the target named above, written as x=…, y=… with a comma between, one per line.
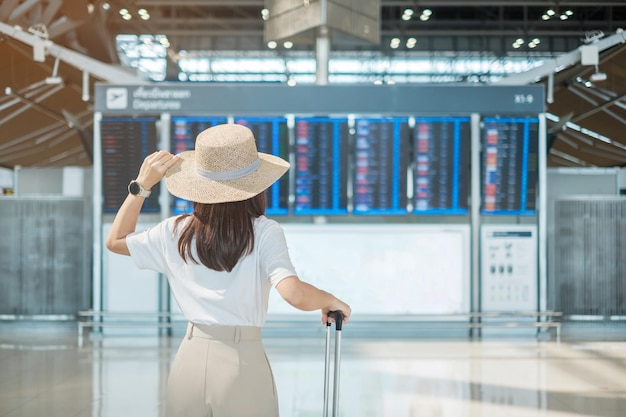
x=338, y=316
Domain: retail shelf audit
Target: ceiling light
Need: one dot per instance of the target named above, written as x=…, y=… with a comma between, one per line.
x=408, y=12
x=411, y=42
x=291, y=82
x=288, y=44
x=545, y=17
x=517, y=45
x=265, y=14
x=395, y=43
x=424, y=17
x=143, y=14
x=520, y=41
x=427, y=12
x=550, y=12
x=569, y=12
x=106, y=6
x=563, y=17
x=406, y=17
x=378, y=82
x=126, y=16
x=124, y=11
x=272, y=44
x=537, y=41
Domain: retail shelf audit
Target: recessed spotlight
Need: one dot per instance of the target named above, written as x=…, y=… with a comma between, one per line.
x=569, y=12
x=550, y=12
x=427, y=12
x=408, y=12
x=406, y=17
x=545, y=17
x=291, y=82
x=265, y=14
x=537, y=41
x=288, y=44
x=272, y=44
x=424, y=17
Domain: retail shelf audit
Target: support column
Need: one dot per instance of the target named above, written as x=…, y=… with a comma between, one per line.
x=322, y=55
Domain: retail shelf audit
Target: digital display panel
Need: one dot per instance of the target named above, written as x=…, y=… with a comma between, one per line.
x=272, y=137
x=382, y=147
x=183, y=138
x=441, y=171
x=126, y=142
x=509, y=166
x=321, y=166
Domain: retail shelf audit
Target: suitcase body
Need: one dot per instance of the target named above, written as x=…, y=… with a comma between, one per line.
x=338, y=316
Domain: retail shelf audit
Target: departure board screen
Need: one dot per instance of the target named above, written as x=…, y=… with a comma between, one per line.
x=183, y=138
x=441, y=171
x=509, y=165
x=321, y=162
x=272, y=137
x=126, y=142
x=382, y=147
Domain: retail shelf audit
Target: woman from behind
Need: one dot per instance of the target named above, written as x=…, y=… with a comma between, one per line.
x=221, y=262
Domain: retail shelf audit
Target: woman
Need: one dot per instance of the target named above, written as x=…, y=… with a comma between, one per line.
x=221, y=262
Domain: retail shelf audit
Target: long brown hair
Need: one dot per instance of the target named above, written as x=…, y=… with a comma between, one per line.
x=223, y=232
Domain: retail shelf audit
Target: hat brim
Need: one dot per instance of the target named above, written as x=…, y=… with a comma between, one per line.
x=183, y=181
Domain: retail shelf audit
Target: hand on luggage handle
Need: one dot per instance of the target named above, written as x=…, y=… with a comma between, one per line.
x=338, y=316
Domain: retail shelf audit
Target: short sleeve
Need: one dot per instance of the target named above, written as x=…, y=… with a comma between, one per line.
x=274, y=255
x=147, y=247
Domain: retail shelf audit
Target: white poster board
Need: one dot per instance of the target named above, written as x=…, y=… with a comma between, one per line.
x=126, y=288
x=509, y=268
x=383, y=269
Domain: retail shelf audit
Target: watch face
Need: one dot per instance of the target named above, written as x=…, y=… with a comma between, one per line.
x=134, y=188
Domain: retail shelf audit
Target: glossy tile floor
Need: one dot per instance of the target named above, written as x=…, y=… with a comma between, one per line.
x=43, y=372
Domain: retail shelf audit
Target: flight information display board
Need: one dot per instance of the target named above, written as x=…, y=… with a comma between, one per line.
x=321, y=162
x=126, y=141
x=183, y=137
x=509, y=166
x=272, y=137
x=382, y=147
x=441, y=165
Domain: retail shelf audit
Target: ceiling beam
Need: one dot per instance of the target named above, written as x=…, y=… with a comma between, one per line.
x=96, y=68
x=552, y=66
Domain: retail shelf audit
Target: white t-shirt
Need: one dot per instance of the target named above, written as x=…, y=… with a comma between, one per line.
x=205, y=296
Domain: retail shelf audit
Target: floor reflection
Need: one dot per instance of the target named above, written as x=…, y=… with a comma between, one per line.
x=45, y=373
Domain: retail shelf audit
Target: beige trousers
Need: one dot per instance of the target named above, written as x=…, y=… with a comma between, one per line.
x=221, y=371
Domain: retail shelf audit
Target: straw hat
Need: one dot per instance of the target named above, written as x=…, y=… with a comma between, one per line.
x=224, y=167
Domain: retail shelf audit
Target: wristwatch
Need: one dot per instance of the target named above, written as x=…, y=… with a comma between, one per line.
x=136, y=189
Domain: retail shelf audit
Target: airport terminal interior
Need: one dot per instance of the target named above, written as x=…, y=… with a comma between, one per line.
x=457, y=177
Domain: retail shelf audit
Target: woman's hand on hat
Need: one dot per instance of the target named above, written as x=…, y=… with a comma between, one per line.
x=154, y=167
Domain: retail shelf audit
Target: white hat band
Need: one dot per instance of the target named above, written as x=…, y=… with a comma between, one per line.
x=229, y=175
